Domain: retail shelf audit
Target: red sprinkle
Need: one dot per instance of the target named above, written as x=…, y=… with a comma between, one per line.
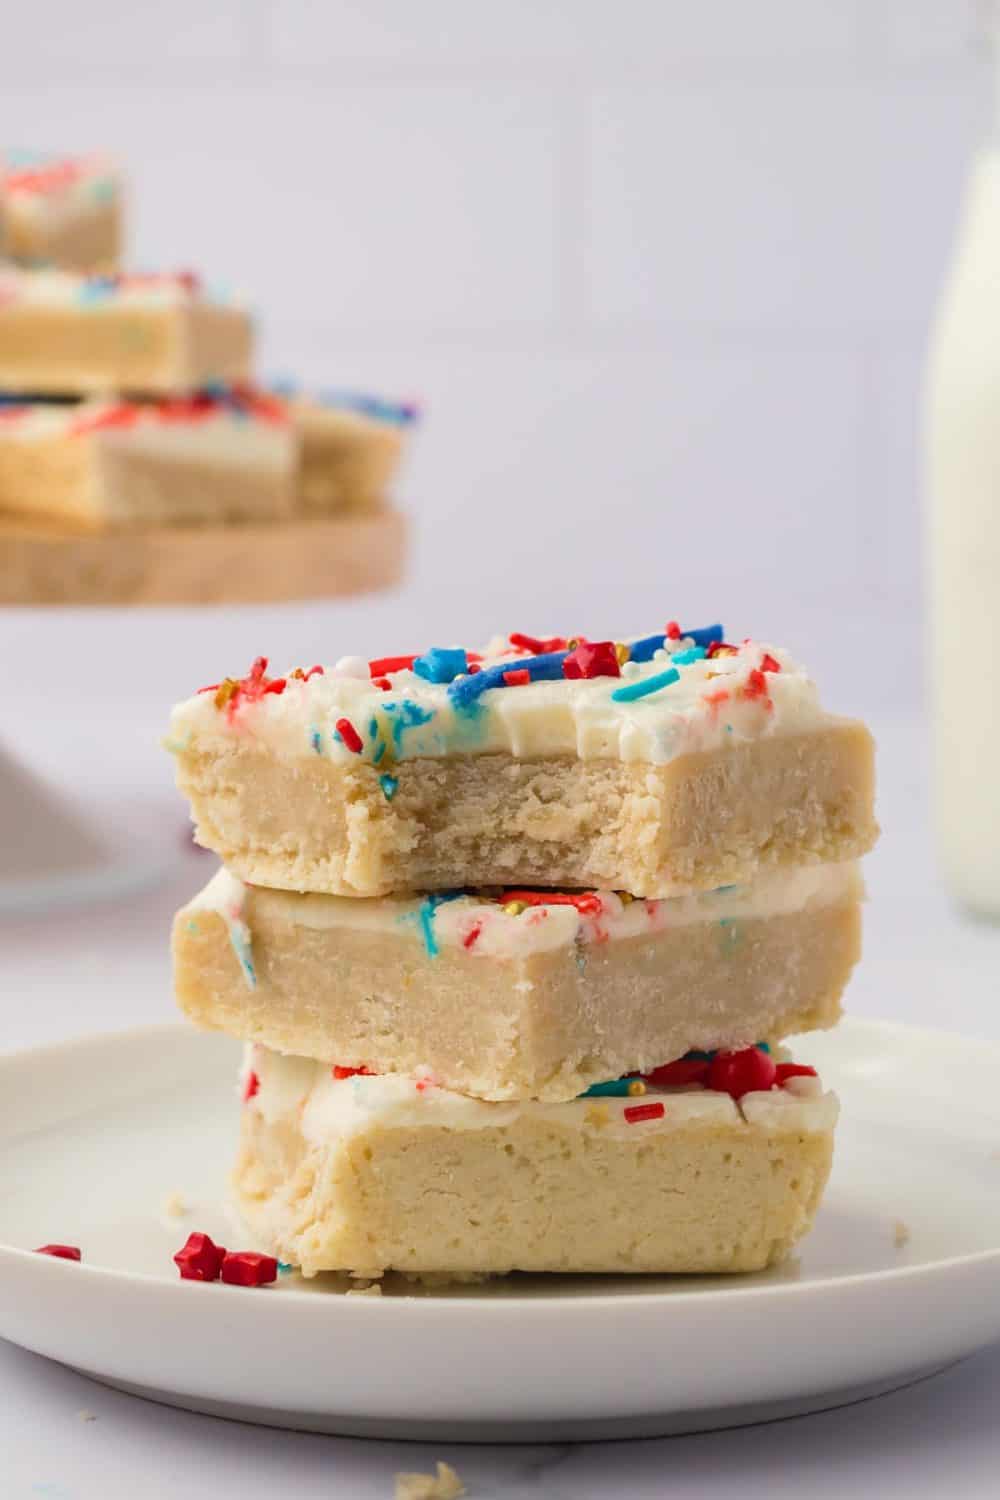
x=383, y=683
x=768, y=663
x=383, y=664
x=517, y=678
x=247, y=1268
x=61, y=1252
x=685, y=1070
x=592, y=659
x=755, y=685
x=537, y=645
x=349, y=735
x=673, y=631
x=739, y=1073
x=250, y=1087
x=715, y=648
x=636, y=1112
x=472, y=936
x=200, y=1258
x=721, y=695
x=339, y=1072
x=474, y=667
x=313, y=672
x=588, y=903
x=784, y=1071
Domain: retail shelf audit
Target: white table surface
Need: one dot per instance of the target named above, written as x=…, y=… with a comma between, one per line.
x=105, y=967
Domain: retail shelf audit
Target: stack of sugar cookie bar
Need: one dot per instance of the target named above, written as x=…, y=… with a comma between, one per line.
x=514, y=939
x=126, y=399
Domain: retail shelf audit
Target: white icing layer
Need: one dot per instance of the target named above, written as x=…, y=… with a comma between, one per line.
x=326, y=1108
x=485, y=930
x=71, y=290
x=714, y=701
x=168, y=430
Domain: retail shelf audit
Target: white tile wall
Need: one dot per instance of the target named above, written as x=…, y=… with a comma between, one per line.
x=661, y=272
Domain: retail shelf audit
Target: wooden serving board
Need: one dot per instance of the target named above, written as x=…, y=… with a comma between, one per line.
x=240, y=564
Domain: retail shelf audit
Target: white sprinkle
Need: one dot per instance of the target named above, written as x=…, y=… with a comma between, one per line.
x=352, y=666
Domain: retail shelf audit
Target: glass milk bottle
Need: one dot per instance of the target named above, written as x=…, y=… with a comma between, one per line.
x=963, y=481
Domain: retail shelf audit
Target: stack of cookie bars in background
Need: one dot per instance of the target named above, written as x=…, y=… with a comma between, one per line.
x=514, y=938
x=125, y=398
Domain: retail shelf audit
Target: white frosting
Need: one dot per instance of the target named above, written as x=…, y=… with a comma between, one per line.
x=485, y=930
x=326, y=1109
x=53, y=191
x=92, y=295
x=219, y=435
x=712, y=703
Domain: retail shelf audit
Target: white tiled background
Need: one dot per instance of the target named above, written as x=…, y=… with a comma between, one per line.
x=661, y=272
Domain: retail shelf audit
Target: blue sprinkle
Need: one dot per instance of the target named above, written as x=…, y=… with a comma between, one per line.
x=96, y=289
x=617, y=1088
x=373, y=727
x=646, y=648
x=706, y=635
x=316, y=740
x=239, y=937
x=722, y=890
x=545, y=668
x=685, y=658
x=284, y=1266
x=406, y=715
x=763, y=1046
x=425, y=917
x=698, y=1056
x=441, y=664
x=388, y=784
x=644, y=686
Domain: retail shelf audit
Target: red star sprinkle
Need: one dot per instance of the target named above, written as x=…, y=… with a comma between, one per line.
x=592, y=659
x=200, y=1258
x=247, y=1268
x=61, y=1252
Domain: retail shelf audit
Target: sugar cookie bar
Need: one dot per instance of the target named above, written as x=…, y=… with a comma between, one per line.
x=351, y=447
x=61, y=211
x=110, y=463
x=67, y=334
x=526, y=994
x=664, y=764
x=366, y=1175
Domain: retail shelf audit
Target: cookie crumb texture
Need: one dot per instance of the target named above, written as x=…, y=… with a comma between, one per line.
x=703, y=820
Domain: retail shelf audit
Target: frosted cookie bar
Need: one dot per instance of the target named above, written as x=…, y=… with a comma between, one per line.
x=61, y=211
x=66, y=334
x=520, y=994
x=667, y=763
x=110, y=463
x=350, y=450
x=367, y=1174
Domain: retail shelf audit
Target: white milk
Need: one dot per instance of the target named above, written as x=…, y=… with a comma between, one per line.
x=963, y=452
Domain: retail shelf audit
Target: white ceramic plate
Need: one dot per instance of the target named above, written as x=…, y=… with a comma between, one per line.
x=94, y=1135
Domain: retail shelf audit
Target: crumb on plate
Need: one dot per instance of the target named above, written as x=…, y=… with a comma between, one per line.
x=444, y=1485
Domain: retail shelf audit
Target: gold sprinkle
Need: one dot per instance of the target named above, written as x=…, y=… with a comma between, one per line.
x=572, y=643
x=226, y=690
x=622, y=652
x=513, y=908
x=636, y=1087
x=598, y=1115
x=625, y=897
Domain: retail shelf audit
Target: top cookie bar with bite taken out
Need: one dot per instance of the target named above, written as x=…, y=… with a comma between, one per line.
x=665, y=763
